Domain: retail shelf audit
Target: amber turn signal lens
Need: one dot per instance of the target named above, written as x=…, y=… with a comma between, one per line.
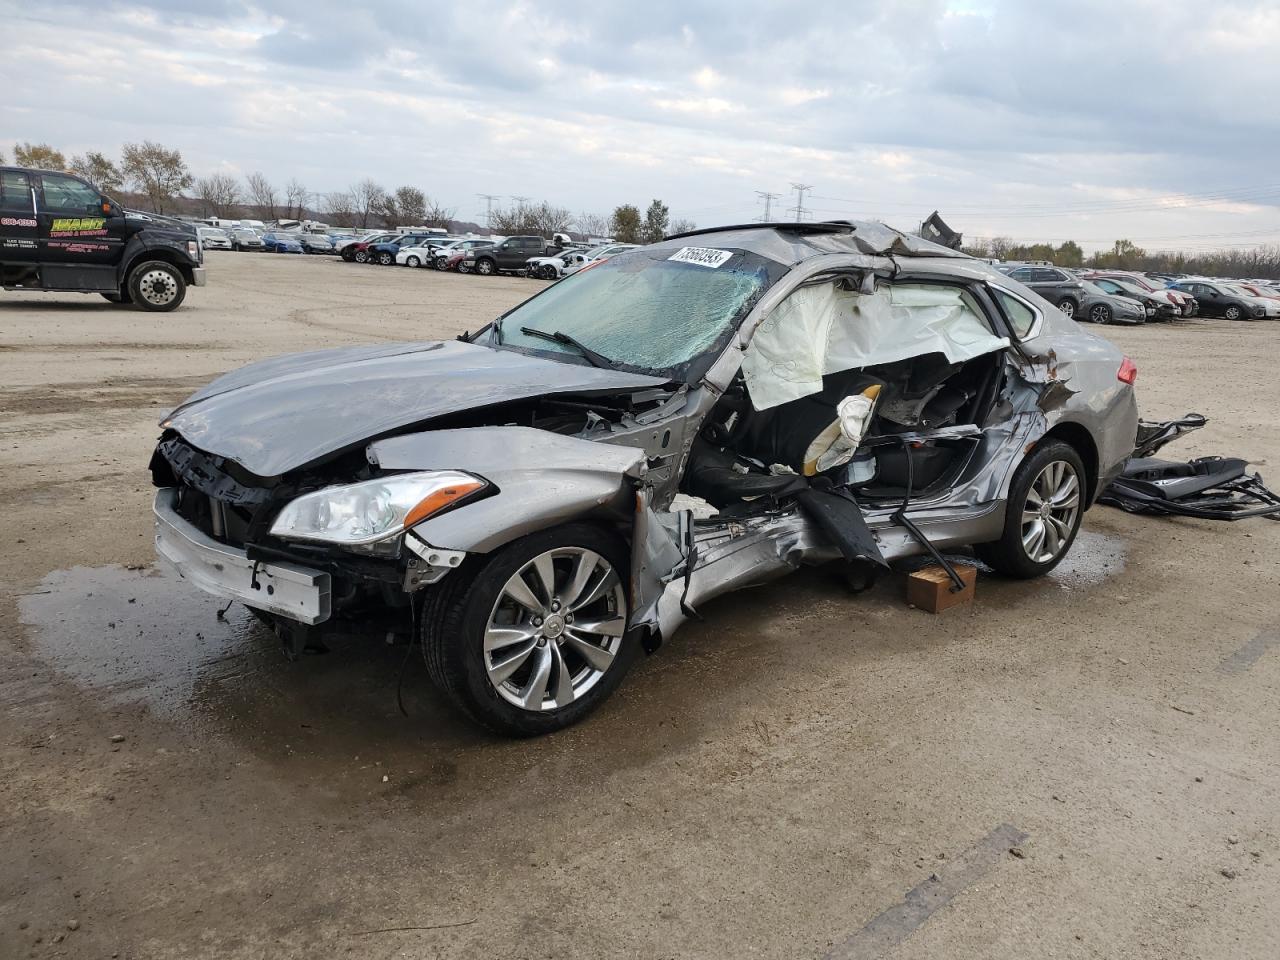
x=439, y=500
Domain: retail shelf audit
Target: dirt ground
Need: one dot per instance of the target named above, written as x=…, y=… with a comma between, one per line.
x=803, y=774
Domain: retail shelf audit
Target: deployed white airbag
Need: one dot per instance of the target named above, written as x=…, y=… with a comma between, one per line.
x=823, y=329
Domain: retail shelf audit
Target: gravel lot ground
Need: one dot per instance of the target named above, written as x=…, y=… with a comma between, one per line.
x=769, y=784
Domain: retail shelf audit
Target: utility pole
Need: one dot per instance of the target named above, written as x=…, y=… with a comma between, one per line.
x=768, y=199
x=488, y=198
x=800, y=189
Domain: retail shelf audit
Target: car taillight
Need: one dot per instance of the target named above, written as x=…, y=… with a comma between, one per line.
x=1128, y=371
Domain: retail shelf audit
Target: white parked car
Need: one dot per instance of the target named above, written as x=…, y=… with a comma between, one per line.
x=555, y=267
x=416, y=256
x=212, y=238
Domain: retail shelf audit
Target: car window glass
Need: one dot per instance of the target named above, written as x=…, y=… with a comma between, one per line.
x=646, y=310
x=1021, y=317
x=1022, y=274
x=1044, y=275
x=68, y=195
x=1056, y=275
x=15, y=190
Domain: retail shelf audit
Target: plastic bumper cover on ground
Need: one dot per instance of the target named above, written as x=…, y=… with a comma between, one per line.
x=287, y=589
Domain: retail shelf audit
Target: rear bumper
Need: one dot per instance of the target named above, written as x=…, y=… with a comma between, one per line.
x=287, y=589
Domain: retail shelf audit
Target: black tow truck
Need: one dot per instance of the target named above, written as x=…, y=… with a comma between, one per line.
x=59, y=232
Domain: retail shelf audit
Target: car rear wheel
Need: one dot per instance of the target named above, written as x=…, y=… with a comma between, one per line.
x=362, y=256
x=441, y=263
x=484, y=267
x=1100, y=313
x=1233, y=312
x=412, y=262
x=157, y=286
x=1067, y=306
x=533, y=637
x=386, y=259
x=1042, y=514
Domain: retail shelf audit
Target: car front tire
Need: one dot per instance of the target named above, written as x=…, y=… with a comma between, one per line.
x=532, y=638
x=1233, y=313
x=412, y=262
x=1042, y=514
x=1100, y=313
x=157, y=286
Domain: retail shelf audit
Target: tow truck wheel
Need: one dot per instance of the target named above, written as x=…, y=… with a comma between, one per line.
x=157, y=286
x=532, y=637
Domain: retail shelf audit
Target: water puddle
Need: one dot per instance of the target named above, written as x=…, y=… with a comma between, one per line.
x=1094, y=558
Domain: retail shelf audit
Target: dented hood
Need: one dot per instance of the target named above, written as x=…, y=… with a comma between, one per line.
x=280, y=414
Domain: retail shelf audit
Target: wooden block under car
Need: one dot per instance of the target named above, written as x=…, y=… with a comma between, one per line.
x=929, y=588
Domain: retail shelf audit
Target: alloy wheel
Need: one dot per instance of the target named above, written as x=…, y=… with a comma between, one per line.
x=1068, y=307
x=157, y=287
x=484, y=268
x=1233, y=313
x=1049, y=514
x=1099, y=313
x=555, y=629
x=412, y=262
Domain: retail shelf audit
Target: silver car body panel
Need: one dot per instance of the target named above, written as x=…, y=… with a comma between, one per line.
x=541, y=479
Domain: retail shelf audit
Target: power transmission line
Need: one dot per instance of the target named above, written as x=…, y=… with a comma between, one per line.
x=488, y=198
x=768, y=199
x=800, y=189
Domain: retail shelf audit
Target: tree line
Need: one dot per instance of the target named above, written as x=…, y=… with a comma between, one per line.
x=1252, y=262
x=160, y=181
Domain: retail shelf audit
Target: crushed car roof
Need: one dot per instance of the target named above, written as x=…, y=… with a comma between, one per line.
x=795, y=242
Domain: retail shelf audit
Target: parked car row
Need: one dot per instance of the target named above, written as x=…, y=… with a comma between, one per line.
x=1125, y=296
x=251, y=238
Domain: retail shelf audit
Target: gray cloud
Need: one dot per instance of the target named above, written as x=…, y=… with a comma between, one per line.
x=1033, y=120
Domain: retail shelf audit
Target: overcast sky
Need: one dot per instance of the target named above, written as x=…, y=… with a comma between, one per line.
x=1158, y=120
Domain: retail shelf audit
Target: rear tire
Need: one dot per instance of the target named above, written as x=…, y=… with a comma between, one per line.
x=1041, y=498
x=485, y=267
x=476, y=607
x=386, y=259
x=157, y=286
x=1068, y=307
x=362, y=256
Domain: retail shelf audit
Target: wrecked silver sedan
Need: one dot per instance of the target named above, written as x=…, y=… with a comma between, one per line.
x=541, y=499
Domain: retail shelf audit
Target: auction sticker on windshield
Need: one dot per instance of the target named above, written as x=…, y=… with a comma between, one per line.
x=702, y=256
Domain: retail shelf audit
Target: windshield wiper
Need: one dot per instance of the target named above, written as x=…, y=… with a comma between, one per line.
x=595, y=359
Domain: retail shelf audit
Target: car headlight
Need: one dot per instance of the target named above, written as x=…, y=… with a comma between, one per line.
x=359, y=514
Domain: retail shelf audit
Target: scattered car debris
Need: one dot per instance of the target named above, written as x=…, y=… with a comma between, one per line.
x=1207, y=488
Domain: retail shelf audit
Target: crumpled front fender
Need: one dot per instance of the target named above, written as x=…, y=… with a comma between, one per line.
x=542, y=479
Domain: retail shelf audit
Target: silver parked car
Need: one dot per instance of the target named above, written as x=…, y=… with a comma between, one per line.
x=544, y=497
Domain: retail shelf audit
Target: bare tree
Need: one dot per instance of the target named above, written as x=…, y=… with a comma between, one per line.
x=524, y=217
x=155, y=170
x=682, y=225
x=219, y=193
x=366, y=198
x=295, y=197
x=38, y=156
x=339, y=208
x=263, y=195
x=592, y=224
x=436, y=215
x=98, y=170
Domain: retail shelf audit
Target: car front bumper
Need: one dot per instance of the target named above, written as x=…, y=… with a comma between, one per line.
x=287, y=589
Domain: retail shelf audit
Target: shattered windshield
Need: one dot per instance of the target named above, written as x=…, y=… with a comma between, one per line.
x=652, y=310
